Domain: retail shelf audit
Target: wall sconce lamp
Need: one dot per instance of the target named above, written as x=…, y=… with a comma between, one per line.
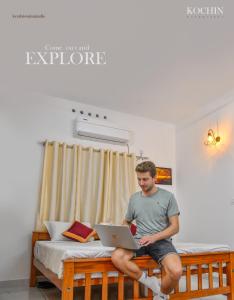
x=212, y=139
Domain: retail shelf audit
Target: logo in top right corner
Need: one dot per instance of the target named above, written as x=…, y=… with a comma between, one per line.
x=205, y=11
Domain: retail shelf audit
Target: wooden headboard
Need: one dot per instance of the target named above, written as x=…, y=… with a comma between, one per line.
x=36, y=236
x=39, y=236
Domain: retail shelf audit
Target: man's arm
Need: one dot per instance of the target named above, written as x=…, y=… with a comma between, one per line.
x=171, y=230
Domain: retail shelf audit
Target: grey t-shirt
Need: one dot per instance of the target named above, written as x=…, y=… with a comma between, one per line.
x=151, y=212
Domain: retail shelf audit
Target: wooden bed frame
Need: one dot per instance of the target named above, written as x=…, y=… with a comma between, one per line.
x=204, y=262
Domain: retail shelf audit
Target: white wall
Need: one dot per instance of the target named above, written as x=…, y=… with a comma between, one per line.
x=26, y=119
x=205, y=179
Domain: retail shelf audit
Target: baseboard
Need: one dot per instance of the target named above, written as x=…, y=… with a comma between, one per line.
x=14, y=283
x=18, y=282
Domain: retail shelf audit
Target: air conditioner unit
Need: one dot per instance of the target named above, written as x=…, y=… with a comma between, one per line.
x=101, y=129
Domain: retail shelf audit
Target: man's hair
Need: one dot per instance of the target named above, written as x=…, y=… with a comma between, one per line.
x=146, y=166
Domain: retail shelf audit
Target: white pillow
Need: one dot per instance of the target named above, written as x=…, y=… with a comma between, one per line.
x=56, y=228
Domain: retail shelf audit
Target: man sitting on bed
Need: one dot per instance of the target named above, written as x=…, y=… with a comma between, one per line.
x=156, y=212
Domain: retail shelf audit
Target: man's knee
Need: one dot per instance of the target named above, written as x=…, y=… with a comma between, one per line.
x=173, y=267
x=176, y=273
x=121, y=255
x=116, y=255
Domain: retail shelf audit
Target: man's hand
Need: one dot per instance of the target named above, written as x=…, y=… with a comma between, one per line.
x=147, y=240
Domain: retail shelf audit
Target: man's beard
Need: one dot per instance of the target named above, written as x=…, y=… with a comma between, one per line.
x=148, y=189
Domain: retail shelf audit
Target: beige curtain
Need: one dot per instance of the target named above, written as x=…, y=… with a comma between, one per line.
x=85, y=184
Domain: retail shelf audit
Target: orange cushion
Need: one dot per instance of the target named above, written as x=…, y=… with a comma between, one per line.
x=79, y=232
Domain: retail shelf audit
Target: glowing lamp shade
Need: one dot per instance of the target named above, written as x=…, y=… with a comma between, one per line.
x=211, y=138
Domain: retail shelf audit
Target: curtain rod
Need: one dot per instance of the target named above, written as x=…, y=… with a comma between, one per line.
x=84, y=148
x=138, y=157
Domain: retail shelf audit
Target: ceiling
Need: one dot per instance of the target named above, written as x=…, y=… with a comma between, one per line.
x=161, y=64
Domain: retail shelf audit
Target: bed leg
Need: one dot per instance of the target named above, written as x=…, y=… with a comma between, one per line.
x=33, y=271
x=33, y=275
x=68, y=280
x=230, y=276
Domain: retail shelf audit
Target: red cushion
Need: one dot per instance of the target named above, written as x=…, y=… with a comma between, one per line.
x=133, y=229
x=79, y=232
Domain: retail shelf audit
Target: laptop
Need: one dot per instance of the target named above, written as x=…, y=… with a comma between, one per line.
x=116, y=236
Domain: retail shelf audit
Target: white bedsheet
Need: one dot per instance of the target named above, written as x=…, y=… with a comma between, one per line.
x=200, y=247
x=51, y=253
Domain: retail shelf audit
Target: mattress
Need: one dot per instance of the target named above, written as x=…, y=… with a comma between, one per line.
x=51, y=254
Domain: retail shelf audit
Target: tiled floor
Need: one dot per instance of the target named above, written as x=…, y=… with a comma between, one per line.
x=25, y=293
x=20, y=293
